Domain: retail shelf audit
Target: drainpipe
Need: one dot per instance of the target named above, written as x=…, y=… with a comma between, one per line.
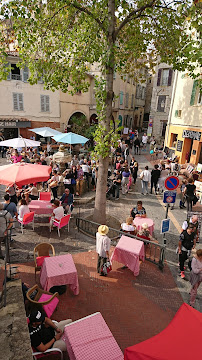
x=171, y=107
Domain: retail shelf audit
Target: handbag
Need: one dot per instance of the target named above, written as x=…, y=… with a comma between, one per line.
x=53, y=184
x=106, y=267
x=142, y=176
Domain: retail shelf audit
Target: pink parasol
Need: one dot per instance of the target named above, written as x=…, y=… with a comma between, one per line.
x=23, y=174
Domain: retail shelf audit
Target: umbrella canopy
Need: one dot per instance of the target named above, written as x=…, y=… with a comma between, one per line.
x=70, y=138
x=23, y=173
x=174, y=342
x=19, y=143
x=46, y=131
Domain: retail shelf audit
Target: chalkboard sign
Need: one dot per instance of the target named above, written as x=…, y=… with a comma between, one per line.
x=179, y=145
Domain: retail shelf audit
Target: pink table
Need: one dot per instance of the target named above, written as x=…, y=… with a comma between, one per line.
x=59, y=270
x=90, y=339
x=138, y=221
x=41, y=207
x=129, y=251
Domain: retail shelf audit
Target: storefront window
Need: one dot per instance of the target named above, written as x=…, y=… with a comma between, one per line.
x=173, y=142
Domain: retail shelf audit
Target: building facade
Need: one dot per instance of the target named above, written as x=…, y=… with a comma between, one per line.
x=24, y=106
x=161, y=98
x=184, y=131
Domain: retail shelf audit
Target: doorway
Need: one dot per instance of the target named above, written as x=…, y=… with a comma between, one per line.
x=200, y=154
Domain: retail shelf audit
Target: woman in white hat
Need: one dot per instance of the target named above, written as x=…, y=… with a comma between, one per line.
x=103, y=243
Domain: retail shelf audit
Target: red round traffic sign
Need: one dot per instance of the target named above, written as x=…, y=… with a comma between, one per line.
x=171, y=183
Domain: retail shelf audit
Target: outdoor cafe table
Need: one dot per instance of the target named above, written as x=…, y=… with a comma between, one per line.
x=59, y=270
x=138, y=221
x=90, y=339
x=41, y=207
x=129, y=251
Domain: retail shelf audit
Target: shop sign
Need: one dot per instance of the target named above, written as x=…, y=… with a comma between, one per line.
x=190, y=134
x=14, y=124
x=179, y=145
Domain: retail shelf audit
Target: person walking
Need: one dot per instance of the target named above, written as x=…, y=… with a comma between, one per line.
x=196, y=275
x=155, y=174
x=145, y=177
x=144, y=141
x=163, y=176
x=189, y=192
x=103, y=243
x=187, y=242
x=125, y=180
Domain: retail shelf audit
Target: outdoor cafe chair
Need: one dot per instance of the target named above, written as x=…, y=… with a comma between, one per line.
x=40, y=252
x=42, y=300
x=61, y=223
x=27, y=218
x=45, y=196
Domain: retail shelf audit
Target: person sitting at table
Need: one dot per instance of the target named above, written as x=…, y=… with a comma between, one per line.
x=67, y=200
x=58, y=212
x=31, y=193
x=138, y=211
x=23, y=209
x=44, y=333
x=128, y=226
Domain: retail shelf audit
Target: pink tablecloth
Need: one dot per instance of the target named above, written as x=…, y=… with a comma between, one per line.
x=129, y=251
x=138, y=221
x=40, y=207
x=90, y=339
x=59, y=270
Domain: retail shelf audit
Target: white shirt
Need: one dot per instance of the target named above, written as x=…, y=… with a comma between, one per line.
x=185, y=224
x=85, y=168
x=127, y=227
x=146, y=175
x=23, y=209
x=144, y=139
x=58, y=212
x=102, y=244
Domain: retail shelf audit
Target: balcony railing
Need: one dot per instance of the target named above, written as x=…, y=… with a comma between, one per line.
x=16, y=77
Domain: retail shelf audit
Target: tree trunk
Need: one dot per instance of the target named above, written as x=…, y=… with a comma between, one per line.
x=100, y=199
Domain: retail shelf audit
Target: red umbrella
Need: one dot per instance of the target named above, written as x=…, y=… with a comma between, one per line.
x=23, y=173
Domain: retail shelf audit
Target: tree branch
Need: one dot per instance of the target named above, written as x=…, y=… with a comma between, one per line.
x=132, y=14
x=81, y=9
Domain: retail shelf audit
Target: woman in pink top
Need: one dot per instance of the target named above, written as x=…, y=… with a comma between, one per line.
x=196, y=275
x=16, y=157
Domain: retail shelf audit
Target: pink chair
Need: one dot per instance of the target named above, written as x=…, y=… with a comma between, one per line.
x=27, y=218
x=63, y=222
x=46, y=196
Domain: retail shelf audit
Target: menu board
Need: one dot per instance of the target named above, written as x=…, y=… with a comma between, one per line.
x=179, y=145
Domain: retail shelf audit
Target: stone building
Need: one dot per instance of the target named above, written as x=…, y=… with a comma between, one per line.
x=183, y=135
x=161, y=98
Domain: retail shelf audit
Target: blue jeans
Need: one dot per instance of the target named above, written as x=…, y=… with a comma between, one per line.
x=144, y=186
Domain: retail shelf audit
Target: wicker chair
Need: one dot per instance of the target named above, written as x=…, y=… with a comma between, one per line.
x=34, y=295
x=40, y=252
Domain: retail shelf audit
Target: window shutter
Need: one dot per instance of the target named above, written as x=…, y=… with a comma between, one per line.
x=15, y=101
x=9, y=75
x=193, y=94
x=20, y=102
x=121, y=97
x=25, y=74
x=170, y=77
x=42, y=103
x=176, y=113
x=159, y=77
x=47, y=103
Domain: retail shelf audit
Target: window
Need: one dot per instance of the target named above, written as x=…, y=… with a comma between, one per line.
x=173, y=140
x=18, y=101
x=143, y=93
x=15, y=72
x=164, y=77
x=178, y=113
x=138, y=92
x=199, y=99
x=127, y=98
x=45, y=104
x=196, y=94
x=121, y=98
x=114, y=75
x=161, y=103
x=25, y=74
x=132, y=101
x=128, y=80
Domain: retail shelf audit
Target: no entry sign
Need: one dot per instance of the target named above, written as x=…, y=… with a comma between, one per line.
x=169, y=197
x=171, y=183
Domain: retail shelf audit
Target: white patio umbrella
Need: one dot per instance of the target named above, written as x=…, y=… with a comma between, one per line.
x=19, y=143
x=46, y=131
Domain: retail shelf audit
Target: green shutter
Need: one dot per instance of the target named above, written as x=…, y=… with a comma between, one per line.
x=121, y=97
x=193, y=94
x=176, y=113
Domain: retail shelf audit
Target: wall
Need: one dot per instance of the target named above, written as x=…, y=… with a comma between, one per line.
x=14, y=339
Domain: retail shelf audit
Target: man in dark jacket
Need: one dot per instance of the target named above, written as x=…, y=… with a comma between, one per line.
x=155, y=175
x=187, y=242
x=67, y=200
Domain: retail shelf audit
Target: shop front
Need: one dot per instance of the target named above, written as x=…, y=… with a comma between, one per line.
x=186, y=142
x=10, y=128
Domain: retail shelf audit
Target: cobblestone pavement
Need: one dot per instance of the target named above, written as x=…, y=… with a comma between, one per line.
x=134, y=308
